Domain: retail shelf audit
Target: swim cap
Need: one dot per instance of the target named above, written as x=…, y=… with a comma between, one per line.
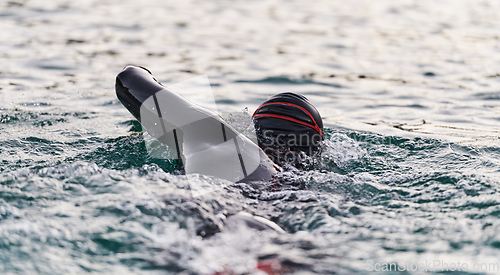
x=287, y=124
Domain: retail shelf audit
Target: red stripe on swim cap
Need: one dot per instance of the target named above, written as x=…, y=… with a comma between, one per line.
x=315, y=127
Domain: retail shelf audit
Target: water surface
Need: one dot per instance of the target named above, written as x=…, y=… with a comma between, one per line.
x=409, y=92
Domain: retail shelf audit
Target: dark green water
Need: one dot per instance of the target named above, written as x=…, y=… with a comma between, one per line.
x=408, y=177
x=104, y=205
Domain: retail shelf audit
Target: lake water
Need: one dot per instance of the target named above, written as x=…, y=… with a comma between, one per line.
x=409, y=177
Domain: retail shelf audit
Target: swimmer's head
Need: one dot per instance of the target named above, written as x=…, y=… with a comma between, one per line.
x=288, y=126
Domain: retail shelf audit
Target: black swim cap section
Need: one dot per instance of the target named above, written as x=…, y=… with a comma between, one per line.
x=294, y=106
x=133, y=86
x=287, y=123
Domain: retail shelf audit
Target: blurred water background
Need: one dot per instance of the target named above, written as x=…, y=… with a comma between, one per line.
x=410, y=95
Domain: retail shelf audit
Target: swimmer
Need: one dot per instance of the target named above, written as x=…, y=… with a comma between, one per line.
x=288, y=128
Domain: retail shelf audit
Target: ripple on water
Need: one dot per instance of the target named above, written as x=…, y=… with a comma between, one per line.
x=79, y=192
